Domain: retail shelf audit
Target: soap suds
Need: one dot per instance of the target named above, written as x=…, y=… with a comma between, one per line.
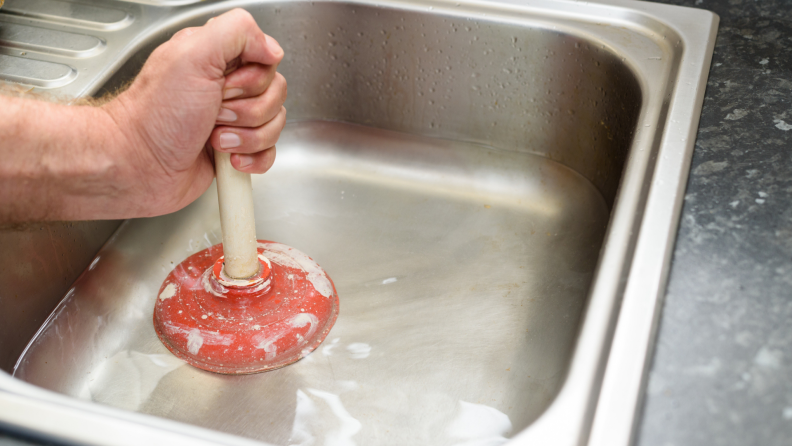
x=269, y=347
x=327, y=350
x=359, y=350
x=168, y=292
x=347, y=427
x=293, y=258
x=194, y=341
x=478, y=424
x=198, y=338
x=302, y=319
x=266, y=341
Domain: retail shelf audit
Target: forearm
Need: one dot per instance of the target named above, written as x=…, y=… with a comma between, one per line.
x=148, y=151
x=59, y=162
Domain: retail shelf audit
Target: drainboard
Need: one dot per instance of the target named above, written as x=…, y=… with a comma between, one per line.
x=494, y=188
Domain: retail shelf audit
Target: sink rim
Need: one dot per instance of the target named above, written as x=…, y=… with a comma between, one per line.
x=602, y=390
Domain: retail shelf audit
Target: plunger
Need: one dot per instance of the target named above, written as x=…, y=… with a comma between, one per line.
x=246, y=305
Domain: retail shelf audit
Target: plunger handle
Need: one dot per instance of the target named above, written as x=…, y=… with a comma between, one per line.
x=238, y=223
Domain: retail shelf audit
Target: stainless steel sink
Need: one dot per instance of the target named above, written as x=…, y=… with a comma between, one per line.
x=493, y=186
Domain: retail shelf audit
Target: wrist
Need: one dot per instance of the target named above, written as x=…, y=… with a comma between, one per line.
x=81, y=163
x=136, y=166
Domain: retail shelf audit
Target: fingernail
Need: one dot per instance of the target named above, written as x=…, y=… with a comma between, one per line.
x=232, y=93
x=245, y=160
x=274, y=45
x=226, y=115
x=230, y=140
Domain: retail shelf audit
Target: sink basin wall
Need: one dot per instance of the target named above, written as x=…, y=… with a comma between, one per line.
x=39, y=262
x=509, y=86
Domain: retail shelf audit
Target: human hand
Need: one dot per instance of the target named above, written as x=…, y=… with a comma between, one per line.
x=210, y=86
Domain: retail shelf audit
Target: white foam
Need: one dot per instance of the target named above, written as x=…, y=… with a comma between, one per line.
x=359, y=350
x=168, y=292
x=267, y=343
x=347, y=426
x=293, y=258
x=479, y=425
x=196, y=337
x=302, y=319
x=194, y=341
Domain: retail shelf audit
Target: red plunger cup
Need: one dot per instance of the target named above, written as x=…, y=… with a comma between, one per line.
x=247, y=305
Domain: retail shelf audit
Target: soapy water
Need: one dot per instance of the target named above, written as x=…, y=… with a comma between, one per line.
x=308, y=423
x=460, y=345
x=336, y=415
x=331, y=397
x=128, y=378
x=479, y=425
x=359, y=350
x=321, y=419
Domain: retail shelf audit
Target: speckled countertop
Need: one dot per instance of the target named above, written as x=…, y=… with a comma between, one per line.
x=722, y=368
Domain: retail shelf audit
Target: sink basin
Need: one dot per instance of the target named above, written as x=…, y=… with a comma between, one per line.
x=494, y=188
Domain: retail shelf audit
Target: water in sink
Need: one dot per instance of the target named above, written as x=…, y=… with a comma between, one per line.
x=462, y=273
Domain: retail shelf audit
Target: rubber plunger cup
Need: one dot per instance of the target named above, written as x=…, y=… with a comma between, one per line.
x=248, y=305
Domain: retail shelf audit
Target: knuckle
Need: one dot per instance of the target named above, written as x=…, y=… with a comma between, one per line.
x=284, y=86
x=260, y=112
x=272, y=138
x=243, y=15
x=186, y=32
x=261, y=81
x=266, y=159
x=271, y=157
x=262, y=135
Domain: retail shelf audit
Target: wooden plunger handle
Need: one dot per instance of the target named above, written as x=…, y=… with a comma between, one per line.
x=238, y=223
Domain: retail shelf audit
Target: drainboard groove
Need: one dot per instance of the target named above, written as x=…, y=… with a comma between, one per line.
x=49, y=41
x=37, y=73
x=80, y=15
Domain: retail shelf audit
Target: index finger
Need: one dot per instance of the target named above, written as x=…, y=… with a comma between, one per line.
x=233, y=35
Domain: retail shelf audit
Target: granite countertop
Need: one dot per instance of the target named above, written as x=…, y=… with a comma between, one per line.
x=722, y=368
